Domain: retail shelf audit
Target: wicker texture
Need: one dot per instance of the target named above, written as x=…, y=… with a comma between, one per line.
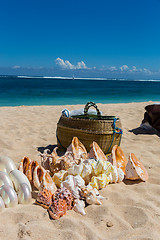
x=87, y=131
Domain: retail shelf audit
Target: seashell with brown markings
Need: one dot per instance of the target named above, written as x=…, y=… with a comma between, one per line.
x=135, y=169
x=58, y=208
x=24, y=164
x=9, y=196
x=44, y=198
x=30, y=170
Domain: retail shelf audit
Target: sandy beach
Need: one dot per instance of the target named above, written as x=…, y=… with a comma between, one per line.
x=130, y=210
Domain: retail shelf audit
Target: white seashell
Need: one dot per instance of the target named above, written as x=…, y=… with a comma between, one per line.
x=9, y=196
x=76, y=169
x=59, y=177
x=113, y=176
x=6, y=164
x=70, y=184
x=5, y=179
x=38, y=174
x=79, y=182
x=2, y=206
x=79, y=206
x=18, y=178
x=86, y=172
x=120, y=174
x=24, y=194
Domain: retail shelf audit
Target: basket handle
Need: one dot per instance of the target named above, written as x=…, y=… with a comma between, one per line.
x=91, y=104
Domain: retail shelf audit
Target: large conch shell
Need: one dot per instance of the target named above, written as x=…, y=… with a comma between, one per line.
x=43, y=180
x=96, y=152
x=18, y=178
x=9, y=196
x=24, y=164
x=5, y=179
x=135, y=169
x=6, y=164
x=78, y=149
x=118, y=158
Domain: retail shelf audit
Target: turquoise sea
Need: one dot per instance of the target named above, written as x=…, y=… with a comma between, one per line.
x=25, y=90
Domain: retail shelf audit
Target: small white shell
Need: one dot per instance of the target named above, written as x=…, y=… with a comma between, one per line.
x=18, y=178
x=120, y=174
x=5, y=179
x=2, y=206
x=113, y=175
x=6, y=164
x=9, y=196
x=79, y=206
x=24, y=194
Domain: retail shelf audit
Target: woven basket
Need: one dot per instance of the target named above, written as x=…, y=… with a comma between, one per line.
x=105, y=130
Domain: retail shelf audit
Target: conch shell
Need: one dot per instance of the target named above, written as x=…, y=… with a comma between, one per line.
x=118, y=158
x=91, y=196
x=96, y=152
x=24, y=164
x=44, y=198
x=78, y=149
x=79, y=206
x=43, y=180
x=135, y=169
x=30, y=170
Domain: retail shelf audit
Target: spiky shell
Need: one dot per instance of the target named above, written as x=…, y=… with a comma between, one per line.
x=79, y=206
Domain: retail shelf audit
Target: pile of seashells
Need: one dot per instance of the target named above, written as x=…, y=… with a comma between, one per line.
x=74, y=179
x=14, y=185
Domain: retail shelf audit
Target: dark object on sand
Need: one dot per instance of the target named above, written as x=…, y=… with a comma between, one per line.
x=152, y=116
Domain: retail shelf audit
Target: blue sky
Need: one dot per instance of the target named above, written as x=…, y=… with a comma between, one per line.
x=118, y=38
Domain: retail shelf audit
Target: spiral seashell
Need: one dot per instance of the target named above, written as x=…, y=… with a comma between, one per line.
x=9, y=196
x=18, y=178
x=2, y=205
x=79, y=206
x=6, y=164
x=5, y=179
x=24, y=194
x=135, y=169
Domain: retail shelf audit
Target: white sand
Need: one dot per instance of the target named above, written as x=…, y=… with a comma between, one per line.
x=129, y=211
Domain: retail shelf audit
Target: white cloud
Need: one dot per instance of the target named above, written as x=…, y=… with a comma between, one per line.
x=16, y=67
x=124, y=68
x=67, y=65
x=113, y=68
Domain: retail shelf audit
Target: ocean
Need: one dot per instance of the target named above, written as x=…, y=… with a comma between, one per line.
x=25, y=90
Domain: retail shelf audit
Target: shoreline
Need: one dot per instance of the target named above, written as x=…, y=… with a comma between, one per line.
x=128, y=211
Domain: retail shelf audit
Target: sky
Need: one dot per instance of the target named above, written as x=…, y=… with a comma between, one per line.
x=103, y=38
